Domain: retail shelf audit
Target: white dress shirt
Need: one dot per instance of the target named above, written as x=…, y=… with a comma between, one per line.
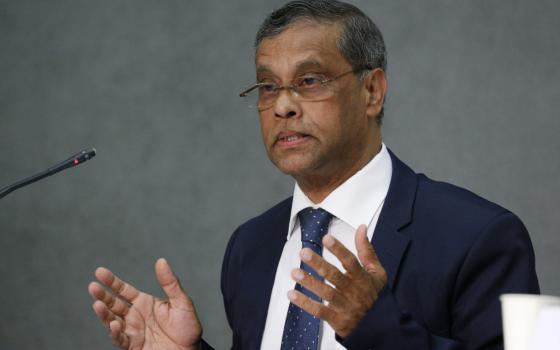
x=357, y=201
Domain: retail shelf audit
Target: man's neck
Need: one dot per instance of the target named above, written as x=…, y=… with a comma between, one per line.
x=318, y=186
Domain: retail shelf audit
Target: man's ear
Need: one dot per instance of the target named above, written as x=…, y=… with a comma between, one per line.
x=376, y=87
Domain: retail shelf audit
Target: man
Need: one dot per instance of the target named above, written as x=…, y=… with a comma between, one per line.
x=442, y=255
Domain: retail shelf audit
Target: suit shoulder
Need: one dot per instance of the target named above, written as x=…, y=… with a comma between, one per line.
x=449, y=198
x=454, y=219
x=269, y=221
x=441, y=205
x=278, y=212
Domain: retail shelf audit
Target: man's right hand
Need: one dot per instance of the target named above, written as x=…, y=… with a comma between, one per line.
x=139, y=321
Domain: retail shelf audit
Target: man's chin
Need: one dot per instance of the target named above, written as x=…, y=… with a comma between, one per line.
x=295, y=165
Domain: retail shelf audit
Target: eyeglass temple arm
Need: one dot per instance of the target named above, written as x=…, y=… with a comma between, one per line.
x=244, y=93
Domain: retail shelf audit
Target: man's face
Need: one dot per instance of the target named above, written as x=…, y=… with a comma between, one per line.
x=312, y=138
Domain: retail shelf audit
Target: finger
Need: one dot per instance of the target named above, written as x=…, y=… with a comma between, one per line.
x=324, y=268
x=120, y=338
x=121, y=288
x=170, y=284
x=319, y=288
x=369, y=259
x=348, y=260
x=116, y=305
x=104, y=314
x=311, y=306
x=366, y=253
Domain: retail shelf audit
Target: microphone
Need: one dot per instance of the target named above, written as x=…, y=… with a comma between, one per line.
x=74, y=160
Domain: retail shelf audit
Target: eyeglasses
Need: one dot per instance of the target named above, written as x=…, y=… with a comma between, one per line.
x=308, y=87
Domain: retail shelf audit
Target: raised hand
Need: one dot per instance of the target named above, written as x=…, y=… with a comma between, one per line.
x=354, y=292
x=139, y=321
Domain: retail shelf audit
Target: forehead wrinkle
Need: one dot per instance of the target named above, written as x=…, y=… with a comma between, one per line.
x=305, y=63
x=299, y=47
x=311, y=51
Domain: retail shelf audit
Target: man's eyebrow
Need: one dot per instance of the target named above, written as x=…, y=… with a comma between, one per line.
x=303, y=65
x=309, y=64
x=263, y=69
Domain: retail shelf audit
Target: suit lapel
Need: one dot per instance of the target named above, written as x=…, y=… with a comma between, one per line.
x=266, y=265
x=390, y=245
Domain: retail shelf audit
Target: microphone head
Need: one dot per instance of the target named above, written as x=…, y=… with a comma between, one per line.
x=83, y=156
x=91, y=152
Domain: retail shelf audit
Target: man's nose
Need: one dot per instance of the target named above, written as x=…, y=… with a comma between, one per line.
x=286, y=105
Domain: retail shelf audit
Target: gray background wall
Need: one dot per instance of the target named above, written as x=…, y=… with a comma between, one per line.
x=153, y=85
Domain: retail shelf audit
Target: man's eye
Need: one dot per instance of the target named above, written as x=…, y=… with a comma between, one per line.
x=309, y=82
x=267, y=88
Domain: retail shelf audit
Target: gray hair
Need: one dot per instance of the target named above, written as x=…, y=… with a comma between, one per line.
x=360, y=42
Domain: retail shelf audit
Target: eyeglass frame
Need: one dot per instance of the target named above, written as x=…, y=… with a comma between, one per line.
x=294, y=88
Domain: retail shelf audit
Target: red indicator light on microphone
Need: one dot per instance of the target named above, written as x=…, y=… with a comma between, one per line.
x=76, y=162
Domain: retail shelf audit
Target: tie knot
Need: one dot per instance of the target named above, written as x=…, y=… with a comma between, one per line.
x=314, y=225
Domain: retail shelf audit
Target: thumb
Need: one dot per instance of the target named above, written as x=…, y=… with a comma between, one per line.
x=366, y=253
x=170, y=284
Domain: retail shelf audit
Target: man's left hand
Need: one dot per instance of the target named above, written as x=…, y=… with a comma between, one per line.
x=354, y=292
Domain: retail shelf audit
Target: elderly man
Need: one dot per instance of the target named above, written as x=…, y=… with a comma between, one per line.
x=304, y=274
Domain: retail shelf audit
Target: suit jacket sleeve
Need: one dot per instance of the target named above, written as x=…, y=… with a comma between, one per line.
x=204, y=345
x=501, y=260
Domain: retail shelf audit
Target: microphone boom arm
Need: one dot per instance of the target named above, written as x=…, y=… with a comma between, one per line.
x=74, y=160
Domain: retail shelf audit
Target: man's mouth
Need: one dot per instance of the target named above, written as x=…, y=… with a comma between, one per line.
x=291, y=139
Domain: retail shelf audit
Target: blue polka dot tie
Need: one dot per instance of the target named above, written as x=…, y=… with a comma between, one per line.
x=301, y=330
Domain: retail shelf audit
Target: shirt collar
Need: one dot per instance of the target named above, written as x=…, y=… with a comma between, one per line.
x=357, y=199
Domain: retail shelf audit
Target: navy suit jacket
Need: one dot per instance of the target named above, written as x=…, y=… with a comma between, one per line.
x=448, y=254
